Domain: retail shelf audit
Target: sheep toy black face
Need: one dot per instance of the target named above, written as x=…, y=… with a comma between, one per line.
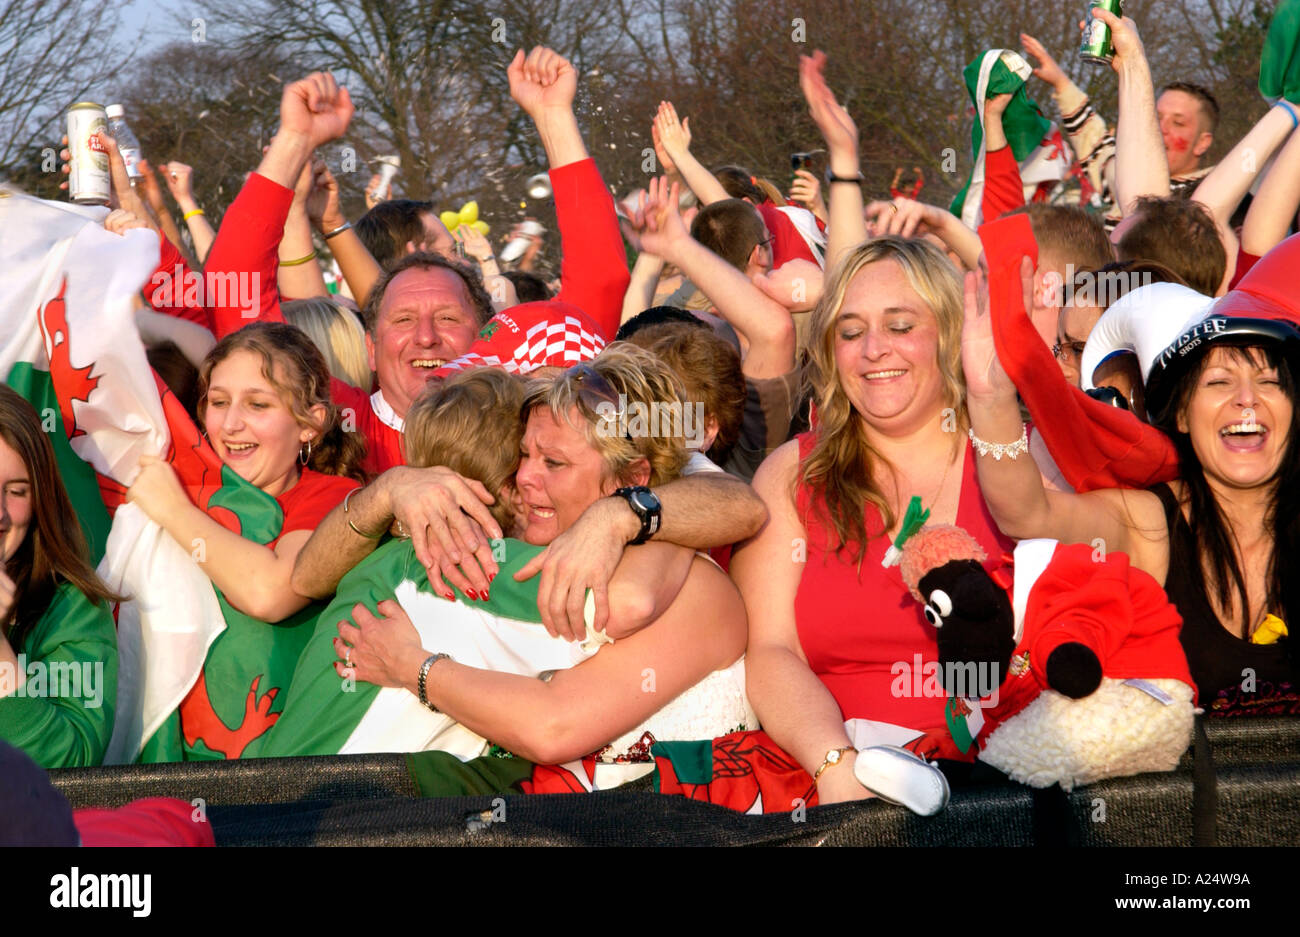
x=973, y=617
x=976, y=625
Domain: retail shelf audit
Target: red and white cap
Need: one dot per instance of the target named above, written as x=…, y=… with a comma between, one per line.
x=529, y=336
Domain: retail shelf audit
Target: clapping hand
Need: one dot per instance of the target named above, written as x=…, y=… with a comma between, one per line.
x=475, y=244
x=1048, y=70
x=836, y=126
x=672, y=137
x=657, y=221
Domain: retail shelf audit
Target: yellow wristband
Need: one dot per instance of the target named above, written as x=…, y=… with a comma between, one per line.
x=190, y=214
x=299, y=262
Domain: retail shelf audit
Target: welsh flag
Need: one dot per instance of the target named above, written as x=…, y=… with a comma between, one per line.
x=70, y=343
x=328, y=714
x=1035, y=142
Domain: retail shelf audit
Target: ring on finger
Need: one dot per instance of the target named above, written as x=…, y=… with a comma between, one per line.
x=894, y=207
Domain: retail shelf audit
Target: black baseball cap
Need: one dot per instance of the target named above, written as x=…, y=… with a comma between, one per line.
x=1214, y=331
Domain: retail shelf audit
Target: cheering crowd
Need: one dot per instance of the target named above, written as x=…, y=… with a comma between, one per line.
x=770, y=489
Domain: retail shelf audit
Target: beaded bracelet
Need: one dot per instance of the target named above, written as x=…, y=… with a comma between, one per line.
x=998, y=449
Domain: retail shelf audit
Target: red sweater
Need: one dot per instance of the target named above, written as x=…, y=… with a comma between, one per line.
x=1095, y=445
x=594, y=277
x=1003, y=189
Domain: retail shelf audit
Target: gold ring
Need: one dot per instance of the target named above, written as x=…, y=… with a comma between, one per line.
x=894, y=207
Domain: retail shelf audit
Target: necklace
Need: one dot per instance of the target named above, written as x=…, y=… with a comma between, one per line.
x=915, y=517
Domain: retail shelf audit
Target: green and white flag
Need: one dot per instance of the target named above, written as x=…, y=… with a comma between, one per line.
x=1035, y=142
x=326, y=714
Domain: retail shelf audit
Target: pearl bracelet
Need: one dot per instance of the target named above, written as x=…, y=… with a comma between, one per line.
x=998, y=449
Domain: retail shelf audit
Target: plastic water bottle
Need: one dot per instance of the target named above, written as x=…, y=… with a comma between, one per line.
x=127, y=144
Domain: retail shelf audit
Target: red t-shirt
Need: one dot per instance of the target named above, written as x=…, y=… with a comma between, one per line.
x=370, y=415
x=306, y=503
x=857, y=628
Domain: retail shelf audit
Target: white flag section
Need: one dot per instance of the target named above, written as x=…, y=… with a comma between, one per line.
x=62, y=274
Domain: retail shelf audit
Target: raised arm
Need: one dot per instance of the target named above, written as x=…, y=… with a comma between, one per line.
x=313, y=111
x=478, y=249
x=593, y=266
x=1141, y=166
x=1003, y=188
x=764, y=325
x=298, y=274
x=792, y=704
x=358, y=267
x=848, y=227
x=1275, y=205
x=1222, y=190
x=640, y=294
x=911, y=218
x=1009, y=480
x=673, y=136
x=179, y=179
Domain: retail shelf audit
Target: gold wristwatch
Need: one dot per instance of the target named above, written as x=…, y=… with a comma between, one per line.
x=833, y=758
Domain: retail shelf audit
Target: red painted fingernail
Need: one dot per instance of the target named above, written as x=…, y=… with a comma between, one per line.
x=485, y=595
x=449, y=595
x=472, y=594
x=491, y=576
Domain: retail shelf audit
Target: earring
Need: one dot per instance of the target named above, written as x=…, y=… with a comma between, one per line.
x=304, y=456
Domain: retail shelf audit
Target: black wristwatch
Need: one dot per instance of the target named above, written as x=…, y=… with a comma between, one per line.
x=646, y=506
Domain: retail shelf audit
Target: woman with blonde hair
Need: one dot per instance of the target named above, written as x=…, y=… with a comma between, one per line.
x=337, y=333
x=831, y=624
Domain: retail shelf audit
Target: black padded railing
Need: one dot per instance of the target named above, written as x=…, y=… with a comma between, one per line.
x=370, y=799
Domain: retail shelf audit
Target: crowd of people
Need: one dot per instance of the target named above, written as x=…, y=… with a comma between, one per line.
x=566, y=521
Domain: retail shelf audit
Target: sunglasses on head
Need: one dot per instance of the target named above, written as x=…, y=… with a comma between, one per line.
x=593, y=390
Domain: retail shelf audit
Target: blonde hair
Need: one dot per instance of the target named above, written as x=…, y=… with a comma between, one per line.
x=840, y=467
x=451, y=421
x=337, y=333
x=643, y=383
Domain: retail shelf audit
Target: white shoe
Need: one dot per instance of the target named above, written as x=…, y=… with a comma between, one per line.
x=898, y=776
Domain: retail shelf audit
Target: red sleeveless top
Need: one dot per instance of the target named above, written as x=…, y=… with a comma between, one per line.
x=864, y=635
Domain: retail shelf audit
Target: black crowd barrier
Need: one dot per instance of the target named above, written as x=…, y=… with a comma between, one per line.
x=1251, y=797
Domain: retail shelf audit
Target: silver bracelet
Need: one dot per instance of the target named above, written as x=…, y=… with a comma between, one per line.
x=339, y=230
x=998, y=449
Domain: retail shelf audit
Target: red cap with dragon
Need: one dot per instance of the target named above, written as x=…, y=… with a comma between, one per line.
x=529, y=336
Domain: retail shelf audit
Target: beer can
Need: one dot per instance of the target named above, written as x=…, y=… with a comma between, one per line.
x=89, y=182
x=1096, y=47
